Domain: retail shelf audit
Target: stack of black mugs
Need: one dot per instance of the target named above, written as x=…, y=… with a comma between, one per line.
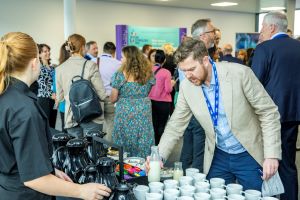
x=83, y=162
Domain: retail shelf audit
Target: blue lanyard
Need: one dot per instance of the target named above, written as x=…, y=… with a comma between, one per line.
x=214, y=114
x=106, y=56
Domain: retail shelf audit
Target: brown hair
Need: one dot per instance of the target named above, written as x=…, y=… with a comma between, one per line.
x=75, y=44
x=16, y=51
x=89, y=44
x=150, y=52
x=190, y=47
x=63, y=53
x=136, y=65
x=40, y=47
x=146, y=47
x=244, y=53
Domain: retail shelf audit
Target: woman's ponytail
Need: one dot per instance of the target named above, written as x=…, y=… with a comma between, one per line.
x=16, y=51
x=3, y=65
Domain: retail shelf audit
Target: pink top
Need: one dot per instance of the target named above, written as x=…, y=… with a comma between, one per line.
x=162, y=89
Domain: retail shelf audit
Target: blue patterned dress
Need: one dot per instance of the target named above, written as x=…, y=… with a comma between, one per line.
x=133, y=126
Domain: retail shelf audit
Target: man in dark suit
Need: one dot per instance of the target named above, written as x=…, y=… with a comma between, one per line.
x=227, y=50
x=91, y=48
x=276, y=63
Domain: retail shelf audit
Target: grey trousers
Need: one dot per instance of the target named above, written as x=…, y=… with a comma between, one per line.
x=109, y=115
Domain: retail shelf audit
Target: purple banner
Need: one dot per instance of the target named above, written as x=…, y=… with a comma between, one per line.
x=121, y=39
x=182, y=33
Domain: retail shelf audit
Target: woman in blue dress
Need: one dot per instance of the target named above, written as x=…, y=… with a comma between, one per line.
x=133, y=126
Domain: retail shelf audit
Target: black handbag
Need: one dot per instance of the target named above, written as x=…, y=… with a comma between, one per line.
x=84, y=100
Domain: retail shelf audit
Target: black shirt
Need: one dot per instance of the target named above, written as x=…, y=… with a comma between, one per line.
x=25, y=142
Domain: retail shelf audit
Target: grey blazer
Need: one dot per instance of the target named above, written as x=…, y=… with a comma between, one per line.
x=64, y=74
x=252, y=115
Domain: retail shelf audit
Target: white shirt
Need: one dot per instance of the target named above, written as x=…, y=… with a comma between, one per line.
x=279, y=33
x=107, y=67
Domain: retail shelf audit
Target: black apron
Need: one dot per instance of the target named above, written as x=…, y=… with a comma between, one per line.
x=11, y=188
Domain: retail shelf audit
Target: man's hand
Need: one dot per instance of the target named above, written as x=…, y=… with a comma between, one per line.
x=147, y=164
x=173, y=82
x=270, y=167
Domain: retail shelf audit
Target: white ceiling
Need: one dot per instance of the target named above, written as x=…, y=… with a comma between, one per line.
x=245, y=6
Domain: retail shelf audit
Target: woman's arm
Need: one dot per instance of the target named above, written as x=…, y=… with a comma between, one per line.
x=54, y=186
x=97, y=81
x=59, y=89
x=114, y=95
x=168, y=82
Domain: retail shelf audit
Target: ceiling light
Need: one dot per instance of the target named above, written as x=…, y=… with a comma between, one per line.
x=223, y=4
x=272, y=8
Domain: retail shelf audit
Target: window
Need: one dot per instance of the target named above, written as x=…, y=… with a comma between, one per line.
x=297, y=23
x=260, y=20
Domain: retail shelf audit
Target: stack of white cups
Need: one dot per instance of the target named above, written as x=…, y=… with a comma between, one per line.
x=195, y=186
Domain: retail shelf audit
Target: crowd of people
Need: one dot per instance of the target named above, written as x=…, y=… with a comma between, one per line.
x=237, y=115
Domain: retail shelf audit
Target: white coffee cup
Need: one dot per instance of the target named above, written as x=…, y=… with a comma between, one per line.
x=156, y=187
x=217, y=193
x=154, y=196
x=252, y=194
x=202, y=196
x=170, y=183
x=191, y=171
x=185, y=180
x=235, y=197
x=217, y=182
x=140, y=192
x=234, y=188
x=187, y=190
x=171, y=194
x=199, y=177
x=202, y=186
x=185, y=198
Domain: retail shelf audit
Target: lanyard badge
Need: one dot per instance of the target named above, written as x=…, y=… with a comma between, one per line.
x=214, y=113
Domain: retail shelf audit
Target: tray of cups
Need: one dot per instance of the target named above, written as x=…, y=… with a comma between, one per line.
x=196, y=187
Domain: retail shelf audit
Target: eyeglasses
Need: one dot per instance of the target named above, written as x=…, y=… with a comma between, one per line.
x=209, y=31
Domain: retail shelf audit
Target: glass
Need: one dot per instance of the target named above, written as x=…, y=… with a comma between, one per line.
x=178, y=172
x=209, y=31
x=154, y=171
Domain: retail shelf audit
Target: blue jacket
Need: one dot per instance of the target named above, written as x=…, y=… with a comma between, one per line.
x=276, y=63
x=229, y=58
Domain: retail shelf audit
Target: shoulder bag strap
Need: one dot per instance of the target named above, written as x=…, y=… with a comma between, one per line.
x=156, y=71
x=98, y=61
x=82, y=73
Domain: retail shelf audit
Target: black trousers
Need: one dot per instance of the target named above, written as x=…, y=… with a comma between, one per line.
x=192, y=152
x=47, y=104
x=160, y=115
x=287, y=166
x=62, y=118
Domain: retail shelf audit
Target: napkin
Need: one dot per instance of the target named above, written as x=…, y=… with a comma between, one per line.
x=273, y=186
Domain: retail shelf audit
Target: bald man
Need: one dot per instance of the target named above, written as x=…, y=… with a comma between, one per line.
x=227, y=50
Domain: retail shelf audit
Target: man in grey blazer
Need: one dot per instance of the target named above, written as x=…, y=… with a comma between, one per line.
x=240, y=120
